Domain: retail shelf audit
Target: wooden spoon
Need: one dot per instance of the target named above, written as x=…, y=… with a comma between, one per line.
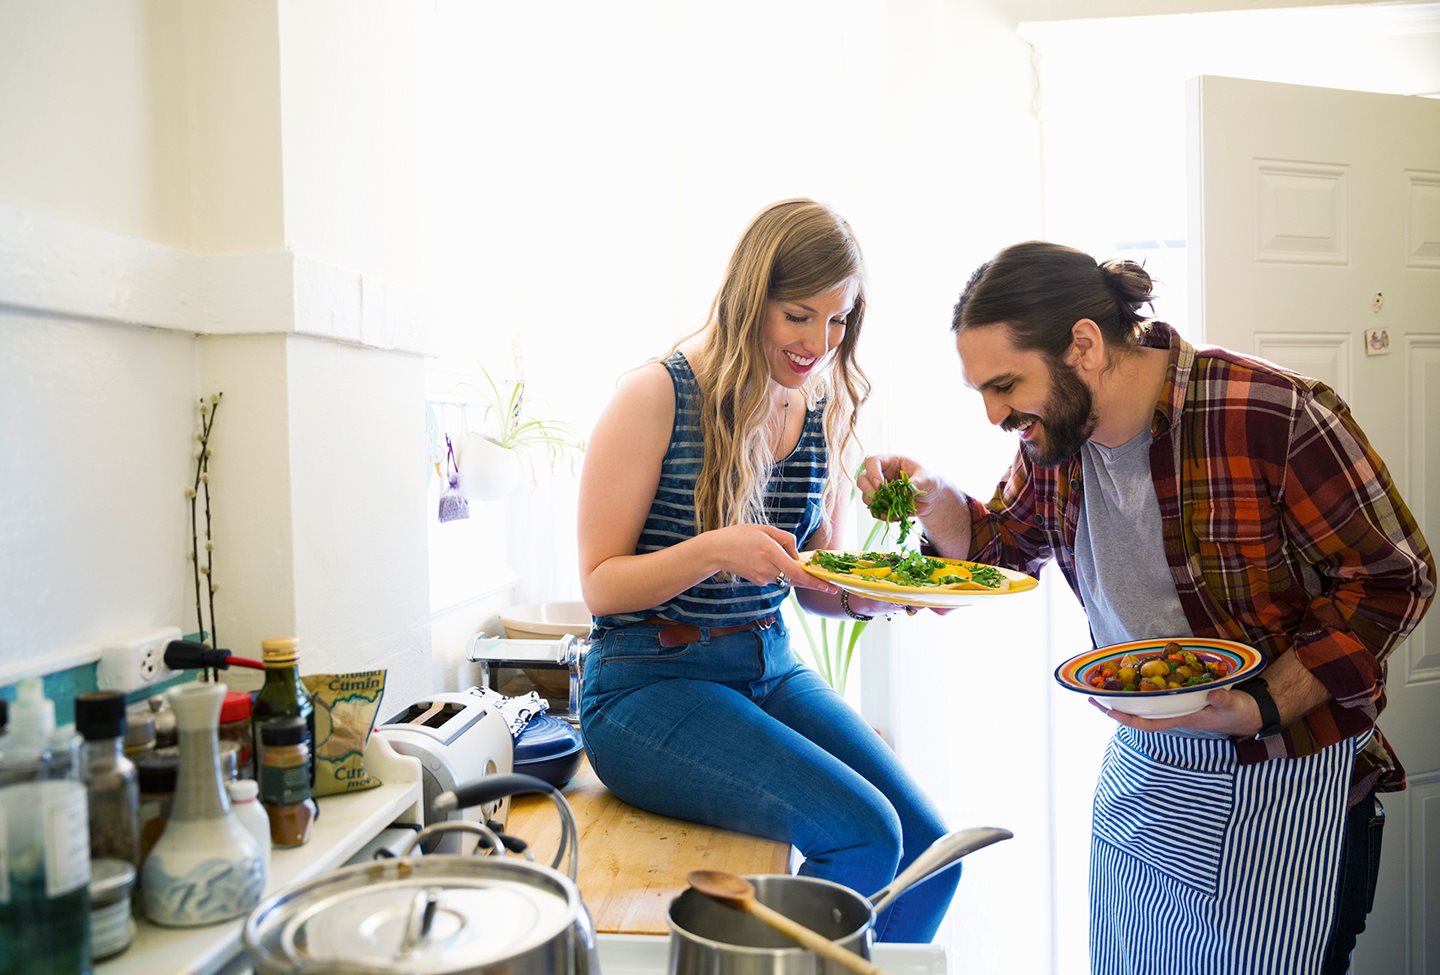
x=736, y=892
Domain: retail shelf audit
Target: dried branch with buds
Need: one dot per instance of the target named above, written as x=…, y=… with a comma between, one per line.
x=208, y=408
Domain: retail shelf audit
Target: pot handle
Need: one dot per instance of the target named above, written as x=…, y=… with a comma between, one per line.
x=490, y=788
x=493, y=787
x=937, y=856
x=455, y=826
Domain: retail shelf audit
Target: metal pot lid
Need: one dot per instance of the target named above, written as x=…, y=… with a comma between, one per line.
x=425, y=915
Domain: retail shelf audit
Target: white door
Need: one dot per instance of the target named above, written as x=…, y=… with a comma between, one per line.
x=1315, y=231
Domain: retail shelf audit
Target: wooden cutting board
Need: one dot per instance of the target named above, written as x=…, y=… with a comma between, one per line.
x=632, y=862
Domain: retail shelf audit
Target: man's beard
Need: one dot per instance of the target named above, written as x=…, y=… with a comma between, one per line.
x=1070, y=419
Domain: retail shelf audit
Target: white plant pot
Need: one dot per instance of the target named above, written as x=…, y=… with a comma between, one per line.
x=488, y=471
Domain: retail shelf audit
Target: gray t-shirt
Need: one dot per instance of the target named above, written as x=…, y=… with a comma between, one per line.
x=1119, y=550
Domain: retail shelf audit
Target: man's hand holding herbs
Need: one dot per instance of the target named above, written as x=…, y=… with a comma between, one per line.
x=897, y=482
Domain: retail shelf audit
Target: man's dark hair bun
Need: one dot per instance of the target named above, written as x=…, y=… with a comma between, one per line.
x=1131, y=285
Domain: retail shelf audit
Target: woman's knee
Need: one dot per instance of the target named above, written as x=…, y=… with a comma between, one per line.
x=862, y=819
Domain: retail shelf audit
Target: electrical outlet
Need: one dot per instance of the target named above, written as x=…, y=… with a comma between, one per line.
x=137, y=663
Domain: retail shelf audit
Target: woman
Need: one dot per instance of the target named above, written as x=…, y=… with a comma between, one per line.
x=705, y=476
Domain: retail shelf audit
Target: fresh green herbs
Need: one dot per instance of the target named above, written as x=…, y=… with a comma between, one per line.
x=895, y=501
x=908, y=569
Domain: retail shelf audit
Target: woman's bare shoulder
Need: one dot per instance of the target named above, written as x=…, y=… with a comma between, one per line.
x=645, y=387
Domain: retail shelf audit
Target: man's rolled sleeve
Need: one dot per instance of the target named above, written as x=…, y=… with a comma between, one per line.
x=1347, y=520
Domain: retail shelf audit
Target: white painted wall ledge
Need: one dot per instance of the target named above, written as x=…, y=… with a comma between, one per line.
x=51, y=265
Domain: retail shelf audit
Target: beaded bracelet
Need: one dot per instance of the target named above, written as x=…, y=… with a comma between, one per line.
x=845, y=605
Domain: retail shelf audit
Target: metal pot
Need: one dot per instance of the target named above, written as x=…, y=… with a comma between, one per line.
x=709, y=938
x=437, y=914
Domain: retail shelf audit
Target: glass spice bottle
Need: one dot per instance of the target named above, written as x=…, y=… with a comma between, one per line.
x=45, y=869
x=283, y=695
x=111, y=785
x=285, y=781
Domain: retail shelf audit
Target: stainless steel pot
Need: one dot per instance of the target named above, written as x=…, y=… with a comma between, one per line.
x=708, y=938
x=437, y=914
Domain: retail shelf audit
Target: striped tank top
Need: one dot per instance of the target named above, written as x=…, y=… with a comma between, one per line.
x=793, y=502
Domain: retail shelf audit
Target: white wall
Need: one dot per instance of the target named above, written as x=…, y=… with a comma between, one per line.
x=143, y=187
x=95, y=425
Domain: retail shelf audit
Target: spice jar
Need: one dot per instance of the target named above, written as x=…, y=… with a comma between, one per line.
x=112, y=794
x=111, y=926
x=285, y=780
x=235, y=727
x=139, y=732
x=158, y=770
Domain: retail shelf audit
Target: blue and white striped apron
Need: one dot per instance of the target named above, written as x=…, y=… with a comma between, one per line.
x=1251, y=886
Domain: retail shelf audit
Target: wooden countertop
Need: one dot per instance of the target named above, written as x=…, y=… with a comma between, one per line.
x=632, y=862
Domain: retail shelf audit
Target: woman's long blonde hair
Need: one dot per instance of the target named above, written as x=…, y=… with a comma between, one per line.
x=793, y=250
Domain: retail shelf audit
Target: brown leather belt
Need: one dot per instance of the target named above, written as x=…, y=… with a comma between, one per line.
x=680, y=634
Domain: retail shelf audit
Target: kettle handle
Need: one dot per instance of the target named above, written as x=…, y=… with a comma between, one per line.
x=492, y=787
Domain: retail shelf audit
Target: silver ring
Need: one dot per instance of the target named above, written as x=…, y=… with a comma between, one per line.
x=782, y=580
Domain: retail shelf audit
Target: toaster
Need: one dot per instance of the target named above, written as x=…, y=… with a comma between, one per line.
x=458, y=739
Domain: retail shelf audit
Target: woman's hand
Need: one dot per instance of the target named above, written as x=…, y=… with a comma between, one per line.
x=761, y=554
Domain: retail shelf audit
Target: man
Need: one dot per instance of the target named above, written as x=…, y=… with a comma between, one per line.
x=1206, y=493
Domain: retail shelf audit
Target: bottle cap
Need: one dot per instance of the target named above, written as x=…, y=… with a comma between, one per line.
x=32, y=716
x=235, y=708
x=279, y=651
x=242, y=790
x=100, y=715
x=283, y=731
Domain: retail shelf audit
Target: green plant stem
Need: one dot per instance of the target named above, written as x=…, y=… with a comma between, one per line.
x=855, y=631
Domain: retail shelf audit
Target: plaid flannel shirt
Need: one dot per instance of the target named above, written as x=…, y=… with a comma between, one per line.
x=1283, y=530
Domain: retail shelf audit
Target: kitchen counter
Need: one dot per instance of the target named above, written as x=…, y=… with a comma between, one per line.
x=346, y=823
x=623, y=954
x=632, y=862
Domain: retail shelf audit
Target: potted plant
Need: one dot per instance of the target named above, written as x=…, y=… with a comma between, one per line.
x=490, y=462
x=832, y=650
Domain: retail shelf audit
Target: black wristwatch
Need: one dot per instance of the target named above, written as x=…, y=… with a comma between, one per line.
x=1269, y=713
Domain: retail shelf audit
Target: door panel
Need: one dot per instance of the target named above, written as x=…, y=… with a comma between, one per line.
x=1315, y=220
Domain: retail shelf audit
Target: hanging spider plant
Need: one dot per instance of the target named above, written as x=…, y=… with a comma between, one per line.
x=514, y=430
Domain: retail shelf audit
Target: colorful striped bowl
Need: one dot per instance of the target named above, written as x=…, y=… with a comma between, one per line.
x=1245, y=662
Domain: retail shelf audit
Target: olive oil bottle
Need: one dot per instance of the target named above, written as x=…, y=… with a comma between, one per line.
x=283, y=695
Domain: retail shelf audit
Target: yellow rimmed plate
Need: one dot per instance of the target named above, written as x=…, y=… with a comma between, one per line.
x=937, y=598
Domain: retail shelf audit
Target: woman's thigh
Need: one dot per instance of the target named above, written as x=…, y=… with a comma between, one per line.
x=805, y=703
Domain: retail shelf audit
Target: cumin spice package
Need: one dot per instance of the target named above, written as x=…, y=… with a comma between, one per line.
x=345, y=708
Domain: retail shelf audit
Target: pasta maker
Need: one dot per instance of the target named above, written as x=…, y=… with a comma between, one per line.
x=551, y=668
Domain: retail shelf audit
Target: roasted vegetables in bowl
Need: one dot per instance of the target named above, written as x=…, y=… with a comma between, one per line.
x=1161, y=678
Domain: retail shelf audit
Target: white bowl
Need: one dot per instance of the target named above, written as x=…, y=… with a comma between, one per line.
x=546, y=621
x=1244, y=662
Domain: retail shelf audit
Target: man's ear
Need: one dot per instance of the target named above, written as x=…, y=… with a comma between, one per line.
x=1087, y=346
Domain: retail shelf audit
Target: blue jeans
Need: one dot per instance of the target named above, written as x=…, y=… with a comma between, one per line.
x=734, y=732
